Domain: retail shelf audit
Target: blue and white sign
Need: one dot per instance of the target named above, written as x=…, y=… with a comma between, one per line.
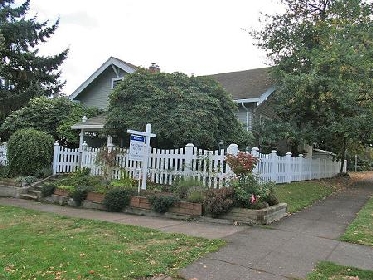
x=137, y=147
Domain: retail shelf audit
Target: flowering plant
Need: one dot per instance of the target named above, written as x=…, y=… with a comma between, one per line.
x=249, y=193
x=242, y=164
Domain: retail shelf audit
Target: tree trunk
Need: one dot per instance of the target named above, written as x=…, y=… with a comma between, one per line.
x=343, y=155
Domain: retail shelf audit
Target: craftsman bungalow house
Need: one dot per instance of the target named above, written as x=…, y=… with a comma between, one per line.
x=249, y=90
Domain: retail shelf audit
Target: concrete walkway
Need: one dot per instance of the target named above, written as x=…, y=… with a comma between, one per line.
x=287, y=249
x=291, y=248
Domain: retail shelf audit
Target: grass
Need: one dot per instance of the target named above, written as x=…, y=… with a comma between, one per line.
x=37, y=245
x=299, y=195
x=360, y=231
x=328, y=270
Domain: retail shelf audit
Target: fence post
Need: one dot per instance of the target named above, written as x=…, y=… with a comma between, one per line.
x=188, y=158
x=232, y=149
x=255, y=152
x=300, y=167
x=56, y=155
x=288, y=170
x=274, y=168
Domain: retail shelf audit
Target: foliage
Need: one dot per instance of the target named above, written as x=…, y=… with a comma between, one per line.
x=196, y=196
x=329, y=270
x=29, y=150
x=106, y=158
x=26, y=180
x=80, y=193
x=116, y=199
x=124, y=183
x=68, y=188
x=47, y=189
x=184, y=186
x=51, y=115
x=25, y=73
x=218, y=201
x=360, y=231
x=44, y=172
x=161, y=203
x=323, y=56
x=181, y=110
x=82, y=178
x=4, y=171
x=248, y=191
x=90, y=249
x=241, y=164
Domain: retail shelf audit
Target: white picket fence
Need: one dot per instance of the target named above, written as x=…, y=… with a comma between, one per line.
x=164, y=166
x=3, y=152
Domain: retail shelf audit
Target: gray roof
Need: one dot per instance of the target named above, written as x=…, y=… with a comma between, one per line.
x=246, y=84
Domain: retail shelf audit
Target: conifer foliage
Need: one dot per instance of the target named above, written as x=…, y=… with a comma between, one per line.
x=24, y=73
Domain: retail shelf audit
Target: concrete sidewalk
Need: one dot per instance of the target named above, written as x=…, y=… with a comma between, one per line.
x=292, y=247
x=287, y=249
x=193, y=228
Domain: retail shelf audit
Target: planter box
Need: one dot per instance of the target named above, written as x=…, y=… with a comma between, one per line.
x=95, y=197
x=60, y=192
x=187, y=208
x=182, y=207
x=263, y=216
x=140, y=202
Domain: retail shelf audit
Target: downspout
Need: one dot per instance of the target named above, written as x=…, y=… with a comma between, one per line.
x=247, y=115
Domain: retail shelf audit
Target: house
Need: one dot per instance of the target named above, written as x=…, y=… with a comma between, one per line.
x=249, y=89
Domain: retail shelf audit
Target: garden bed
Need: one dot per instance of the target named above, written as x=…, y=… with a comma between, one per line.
x=263, y=216
x=140, y=205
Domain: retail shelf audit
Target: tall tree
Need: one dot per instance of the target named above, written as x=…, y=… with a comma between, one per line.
x=24, y=73
x=181, y=110
x=322, y=51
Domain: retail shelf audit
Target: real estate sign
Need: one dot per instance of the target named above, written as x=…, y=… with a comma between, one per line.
x=137, y=147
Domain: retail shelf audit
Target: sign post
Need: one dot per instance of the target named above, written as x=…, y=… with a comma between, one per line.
x=141, y=154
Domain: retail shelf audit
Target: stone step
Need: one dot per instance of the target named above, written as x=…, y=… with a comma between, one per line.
x=28, y=196
x=36, y=193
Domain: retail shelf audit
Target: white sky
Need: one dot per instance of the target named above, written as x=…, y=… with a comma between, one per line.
x=191, y=36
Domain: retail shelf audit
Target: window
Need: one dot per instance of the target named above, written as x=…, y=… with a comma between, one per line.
x=115, y=82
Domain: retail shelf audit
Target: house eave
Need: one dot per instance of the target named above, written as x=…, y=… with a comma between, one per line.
x=88, y=126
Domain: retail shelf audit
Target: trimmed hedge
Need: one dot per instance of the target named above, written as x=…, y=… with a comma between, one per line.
x=29, y=151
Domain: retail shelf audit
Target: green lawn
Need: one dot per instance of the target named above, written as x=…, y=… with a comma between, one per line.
x=36, y=245
x=330, y=271
x=360, y=231
x=299, y=195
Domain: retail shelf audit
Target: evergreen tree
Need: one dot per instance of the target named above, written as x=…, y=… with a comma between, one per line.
x=24, y=73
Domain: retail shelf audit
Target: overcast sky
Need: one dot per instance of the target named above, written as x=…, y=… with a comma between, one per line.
x=194, y=37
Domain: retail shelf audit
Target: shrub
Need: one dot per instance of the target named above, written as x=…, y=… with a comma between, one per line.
x=69, y=189
x=185, y=185
x=195, y=196
x=161, y=203
x=29, y=150
x=116, y=199
x=44, y=172
x=47, y=189
x=4, y=171
x=218, y=201
x=80, y=194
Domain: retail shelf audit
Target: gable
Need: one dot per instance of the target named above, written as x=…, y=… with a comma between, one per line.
x=95, y=90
